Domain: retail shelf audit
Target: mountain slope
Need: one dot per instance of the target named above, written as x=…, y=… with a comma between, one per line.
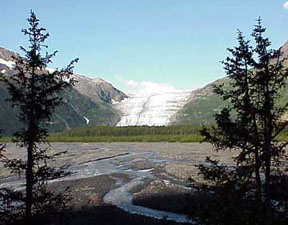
x=91, y=107
x=98, y=89
x=201, y=107
x=203, y=104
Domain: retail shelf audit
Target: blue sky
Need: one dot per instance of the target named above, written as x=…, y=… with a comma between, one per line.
x=127, y=42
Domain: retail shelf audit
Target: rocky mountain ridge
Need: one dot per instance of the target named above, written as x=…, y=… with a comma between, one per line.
x=98, y=89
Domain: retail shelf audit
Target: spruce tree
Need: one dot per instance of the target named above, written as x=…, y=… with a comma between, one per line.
x=251, y=123
x=36, y=92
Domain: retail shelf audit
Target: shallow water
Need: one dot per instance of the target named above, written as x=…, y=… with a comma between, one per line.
x=123, y=199
x=89, y=160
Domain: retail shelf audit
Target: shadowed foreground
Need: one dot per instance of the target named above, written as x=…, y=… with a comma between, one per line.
x=105, y=215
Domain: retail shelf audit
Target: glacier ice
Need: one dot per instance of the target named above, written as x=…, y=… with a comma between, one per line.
x=151, y=109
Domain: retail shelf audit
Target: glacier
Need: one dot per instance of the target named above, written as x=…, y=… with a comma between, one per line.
x=151, y=109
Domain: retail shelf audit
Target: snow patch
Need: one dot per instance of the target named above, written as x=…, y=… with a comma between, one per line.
x=87, y=120
x=88, y=79
x=9, y=63
x=97, y=80
x=50, y=123
x=114, y=102
x=51, y=70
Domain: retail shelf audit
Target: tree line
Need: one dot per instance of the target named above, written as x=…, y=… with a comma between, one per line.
x=131, y=131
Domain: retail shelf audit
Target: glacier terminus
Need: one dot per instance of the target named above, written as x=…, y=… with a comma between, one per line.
x=151, y=108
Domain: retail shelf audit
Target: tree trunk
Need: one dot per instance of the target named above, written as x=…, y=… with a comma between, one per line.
x=267, y=174
x=29, y=183
x=30, y=148
x=258, y=178
x=267, y=152
x=268, y=128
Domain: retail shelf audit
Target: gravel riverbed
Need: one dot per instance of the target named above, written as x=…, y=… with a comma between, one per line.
x=148, y=179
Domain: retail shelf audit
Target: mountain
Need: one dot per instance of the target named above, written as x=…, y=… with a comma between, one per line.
x=203, y=104
x=284, y=50
x=98, y=89
x=93, y=101
x=88, y=103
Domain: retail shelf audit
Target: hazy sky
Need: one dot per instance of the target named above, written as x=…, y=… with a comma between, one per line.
x=134, y=42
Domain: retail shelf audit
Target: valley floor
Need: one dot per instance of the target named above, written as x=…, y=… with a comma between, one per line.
x=131, y=183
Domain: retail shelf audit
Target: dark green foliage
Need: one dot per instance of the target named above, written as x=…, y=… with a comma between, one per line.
x=257, y=77
x=226, y=199
x=35, y=93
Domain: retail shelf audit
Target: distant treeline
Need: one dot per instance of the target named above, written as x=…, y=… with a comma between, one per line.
x=130, y=133
x=184, y=133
